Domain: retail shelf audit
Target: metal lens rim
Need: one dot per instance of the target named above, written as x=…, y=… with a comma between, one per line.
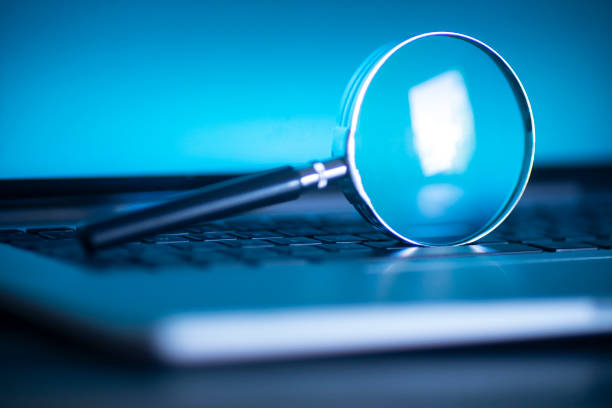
x=352, y=108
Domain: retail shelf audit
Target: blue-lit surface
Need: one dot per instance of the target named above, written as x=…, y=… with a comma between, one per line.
x=129, y=88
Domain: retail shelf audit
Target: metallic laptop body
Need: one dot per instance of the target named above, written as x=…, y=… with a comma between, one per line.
x=102, y=127
x=264, y=304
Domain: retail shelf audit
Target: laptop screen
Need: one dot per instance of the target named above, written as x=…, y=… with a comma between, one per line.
x=105, y=89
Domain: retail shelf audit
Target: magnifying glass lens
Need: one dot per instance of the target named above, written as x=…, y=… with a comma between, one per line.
x=442, y=141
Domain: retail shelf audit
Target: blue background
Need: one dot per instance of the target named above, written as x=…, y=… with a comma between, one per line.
x=125, y=88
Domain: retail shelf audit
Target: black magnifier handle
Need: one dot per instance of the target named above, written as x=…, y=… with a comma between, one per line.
x=211, y=202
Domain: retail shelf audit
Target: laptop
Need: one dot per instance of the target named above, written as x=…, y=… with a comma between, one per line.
x=110, y=109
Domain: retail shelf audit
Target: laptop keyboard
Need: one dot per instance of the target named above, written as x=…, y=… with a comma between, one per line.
x=261, y=240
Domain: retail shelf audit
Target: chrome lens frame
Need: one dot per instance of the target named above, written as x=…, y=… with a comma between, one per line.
x=344, y=139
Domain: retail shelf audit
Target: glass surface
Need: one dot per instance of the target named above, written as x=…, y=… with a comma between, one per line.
x=440, y=143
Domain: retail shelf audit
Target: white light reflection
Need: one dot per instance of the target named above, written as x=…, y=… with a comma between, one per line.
x=434, y=200
x=479, y=249
x=259, y=334
x=442, y=124
x=405, y=253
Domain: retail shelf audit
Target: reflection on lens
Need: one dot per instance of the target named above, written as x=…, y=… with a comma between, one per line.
x=442, y=124
x=442, y=141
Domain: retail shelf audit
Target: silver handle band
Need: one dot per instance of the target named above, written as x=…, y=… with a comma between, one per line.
x=320, y=173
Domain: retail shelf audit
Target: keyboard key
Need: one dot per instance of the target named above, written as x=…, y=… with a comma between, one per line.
x=345, y=238
x=301, y=231
x=193, y=237
x=562, y=246
x=242, y=226
x=217, y=236
x=294, y=241
x=375, y=236
x=348, y=229
x=247, y=243
x=389, y=244
x=182, y=232
x=318, y=253
x=211, y=236
x=56, y=229
x=58, y=234
x=216, y=228
x=345, y=247
x=258, y=234
x=166, y=239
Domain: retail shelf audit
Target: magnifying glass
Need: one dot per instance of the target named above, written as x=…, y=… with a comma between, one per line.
x=434, y=146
